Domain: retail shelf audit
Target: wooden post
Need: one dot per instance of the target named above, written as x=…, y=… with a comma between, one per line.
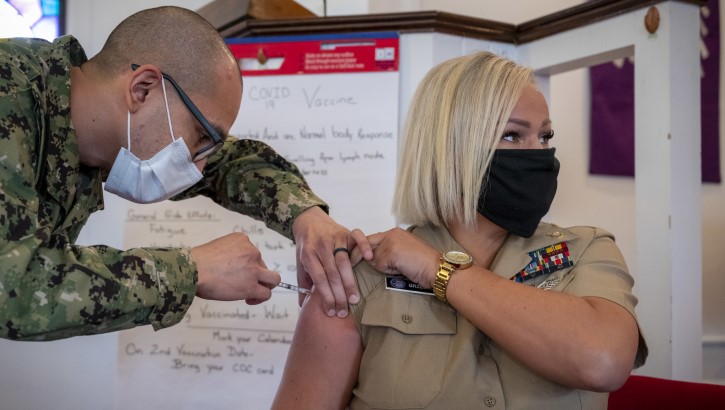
x=668, y=268
x=223, y=13
x=668, y=189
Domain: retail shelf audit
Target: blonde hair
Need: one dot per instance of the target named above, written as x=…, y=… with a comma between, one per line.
x=454, y=124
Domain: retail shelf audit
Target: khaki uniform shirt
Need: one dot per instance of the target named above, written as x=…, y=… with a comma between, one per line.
x=51, y=288
x=420, y=353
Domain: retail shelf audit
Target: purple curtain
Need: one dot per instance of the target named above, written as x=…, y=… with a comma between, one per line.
x=612, y=115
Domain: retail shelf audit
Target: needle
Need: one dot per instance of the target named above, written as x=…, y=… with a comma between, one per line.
x=294, y=288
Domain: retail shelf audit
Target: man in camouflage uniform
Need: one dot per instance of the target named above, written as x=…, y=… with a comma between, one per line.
x=64, y=120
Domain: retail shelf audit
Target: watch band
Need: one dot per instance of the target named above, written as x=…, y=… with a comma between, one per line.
x=450, y=262
x=442, y=277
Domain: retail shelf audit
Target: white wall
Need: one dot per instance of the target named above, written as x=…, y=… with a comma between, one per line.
x=79, y=373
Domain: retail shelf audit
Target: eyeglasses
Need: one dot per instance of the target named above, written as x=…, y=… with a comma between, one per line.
x=216, y=140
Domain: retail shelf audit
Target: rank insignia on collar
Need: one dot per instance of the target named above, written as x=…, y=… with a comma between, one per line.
x=544, y=261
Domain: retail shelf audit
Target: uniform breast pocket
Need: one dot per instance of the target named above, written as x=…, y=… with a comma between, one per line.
x=407, y=339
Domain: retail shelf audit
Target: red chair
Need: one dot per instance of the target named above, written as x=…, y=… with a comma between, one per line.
x=644, y=393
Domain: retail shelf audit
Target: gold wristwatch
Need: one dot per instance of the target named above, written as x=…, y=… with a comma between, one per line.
x=450, y=262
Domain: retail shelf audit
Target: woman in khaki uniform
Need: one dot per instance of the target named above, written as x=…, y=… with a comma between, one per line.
x=478, y=304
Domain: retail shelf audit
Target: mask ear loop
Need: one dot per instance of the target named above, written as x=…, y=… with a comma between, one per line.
x=128, y=130
x=168, y=113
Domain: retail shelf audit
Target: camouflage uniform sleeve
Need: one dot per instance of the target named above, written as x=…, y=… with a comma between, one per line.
x=249, y=177
x=50, y=288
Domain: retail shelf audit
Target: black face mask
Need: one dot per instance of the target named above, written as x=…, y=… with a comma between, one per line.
x=519, y=189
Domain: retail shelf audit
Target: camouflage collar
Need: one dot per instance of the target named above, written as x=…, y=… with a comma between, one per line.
x=63, y=168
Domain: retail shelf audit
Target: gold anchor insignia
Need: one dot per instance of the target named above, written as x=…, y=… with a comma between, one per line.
x=556, y=234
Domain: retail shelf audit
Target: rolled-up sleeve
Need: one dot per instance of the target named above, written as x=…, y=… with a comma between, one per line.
x=251, y=178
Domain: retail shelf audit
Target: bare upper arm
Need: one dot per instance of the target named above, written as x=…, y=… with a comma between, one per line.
x=323, y=361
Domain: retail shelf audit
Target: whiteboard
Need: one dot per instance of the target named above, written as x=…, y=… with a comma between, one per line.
x=341, y=130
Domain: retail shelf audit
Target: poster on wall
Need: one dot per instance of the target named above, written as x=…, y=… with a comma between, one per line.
x=330, y=105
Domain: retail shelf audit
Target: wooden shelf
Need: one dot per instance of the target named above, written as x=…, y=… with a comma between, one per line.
x=236, y=21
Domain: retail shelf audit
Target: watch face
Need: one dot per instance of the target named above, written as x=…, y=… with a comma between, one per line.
x=460, y=259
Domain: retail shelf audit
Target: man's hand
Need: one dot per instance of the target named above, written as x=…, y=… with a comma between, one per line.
x=317, y=236
x=231, y=268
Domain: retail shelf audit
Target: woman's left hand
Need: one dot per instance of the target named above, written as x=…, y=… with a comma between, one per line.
x=397, y=251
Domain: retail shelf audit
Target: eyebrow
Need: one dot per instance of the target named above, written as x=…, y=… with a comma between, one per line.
x=527, y=124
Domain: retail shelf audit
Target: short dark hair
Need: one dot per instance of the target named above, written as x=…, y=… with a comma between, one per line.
x=178, y=41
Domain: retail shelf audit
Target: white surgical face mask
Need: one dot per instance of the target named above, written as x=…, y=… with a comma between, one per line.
x=164, y=175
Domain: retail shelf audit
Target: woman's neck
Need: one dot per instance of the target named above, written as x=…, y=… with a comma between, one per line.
x=482, y=241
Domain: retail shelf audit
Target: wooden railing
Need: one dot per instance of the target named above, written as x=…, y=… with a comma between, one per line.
x=238, y=22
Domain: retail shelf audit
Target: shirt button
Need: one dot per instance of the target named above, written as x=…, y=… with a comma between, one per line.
x=489, y=401
x=406, y=318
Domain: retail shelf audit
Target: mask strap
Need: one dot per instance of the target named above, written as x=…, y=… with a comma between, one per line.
x=128, y=130
x=168, y=113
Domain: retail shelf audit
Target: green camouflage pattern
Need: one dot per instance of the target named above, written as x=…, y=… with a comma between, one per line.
x=51, y=288
x=249, y=177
